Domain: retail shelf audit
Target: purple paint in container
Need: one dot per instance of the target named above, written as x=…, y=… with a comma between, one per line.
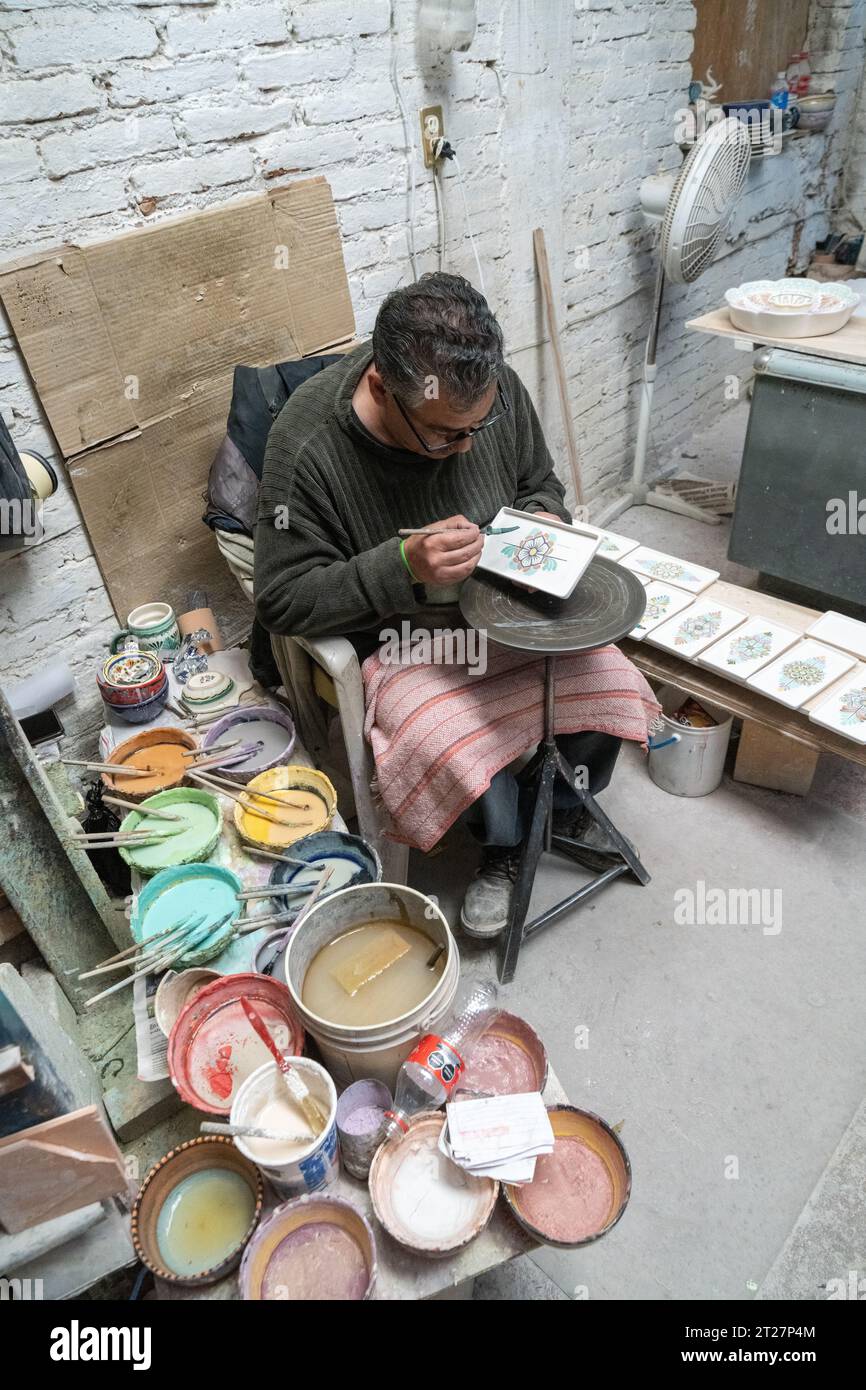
x=361, y=1124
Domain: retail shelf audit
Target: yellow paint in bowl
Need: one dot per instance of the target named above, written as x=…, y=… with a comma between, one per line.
x=310, y=805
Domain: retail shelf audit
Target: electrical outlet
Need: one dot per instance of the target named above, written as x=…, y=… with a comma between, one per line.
x=432, y=129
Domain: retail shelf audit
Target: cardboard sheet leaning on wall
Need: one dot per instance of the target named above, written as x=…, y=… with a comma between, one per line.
x=131, y=344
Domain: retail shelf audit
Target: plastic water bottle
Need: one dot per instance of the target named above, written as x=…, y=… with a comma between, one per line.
x=431, y=1071
x=779, y=92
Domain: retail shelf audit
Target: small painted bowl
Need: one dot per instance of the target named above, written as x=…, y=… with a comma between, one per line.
x=143, y=712
x=333, y=845
x=206, y=688
x=194, y=848
x=130, y=677
x=136, y=695
x=594, y=1133
x=196, y=1156
x=295, y=1216
x=313, y=788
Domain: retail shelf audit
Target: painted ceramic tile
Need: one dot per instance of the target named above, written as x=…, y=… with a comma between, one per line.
x=840, y=631
x=701, y=625
x=845, y=710
x=612, y=546
x=801, y=673
x=662, y=602
x=669, y=570
x=748, y=648
x=550, y=556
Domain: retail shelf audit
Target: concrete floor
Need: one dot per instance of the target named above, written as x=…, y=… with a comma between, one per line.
x=722, y=1049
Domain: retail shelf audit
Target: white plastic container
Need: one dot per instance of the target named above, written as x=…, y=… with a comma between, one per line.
x=312, y=1168
x=685, y=761
x=374, y=1052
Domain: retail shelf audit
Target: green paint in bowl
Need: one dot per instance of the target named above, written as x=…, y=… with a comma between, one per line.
x=198, y=830
x=183, y=894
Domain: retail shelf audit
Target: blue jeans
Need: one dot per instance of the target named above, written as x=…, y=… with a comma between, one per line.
x=501, y=815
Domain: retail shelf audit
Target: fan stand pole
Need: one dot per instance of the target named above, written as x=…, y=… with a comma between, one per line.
x=639, y=495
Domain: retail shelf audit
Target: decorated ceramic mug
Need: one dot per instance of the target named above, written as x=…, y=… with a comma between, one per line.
x=154, y=627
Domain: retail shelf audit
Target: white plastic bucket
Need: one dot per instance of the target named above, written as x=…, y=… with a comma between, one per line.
x=685, y=761
x=374, y=1052
x=316, y=1166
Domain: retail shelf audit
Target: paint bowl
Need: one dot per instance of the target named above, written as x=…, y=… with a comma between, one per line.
x=144, y=712
x=133, y=696
x=215, y=1154
x=291, y=1169
x=202, y=822
x=174, y=992
x=361, y=1124
x=581, y=1190
x=158, y=750
x=301, y=785
x=352, y=859
x=423, y=1200
x=342, y=1269
x=508, y=1059
x=264, y=724
x=186, y=893
x=212, y=1048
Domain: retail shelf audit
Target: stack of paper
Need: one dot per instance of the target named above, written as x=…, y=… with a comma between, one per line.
x=499, y=1137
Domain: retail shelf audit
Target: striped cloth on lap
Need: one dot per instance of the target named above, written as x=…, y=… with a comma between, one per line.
x=439, y=733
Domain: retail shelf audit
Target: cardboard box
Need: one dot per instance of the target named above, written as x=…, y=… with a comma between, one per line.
x=131, y=344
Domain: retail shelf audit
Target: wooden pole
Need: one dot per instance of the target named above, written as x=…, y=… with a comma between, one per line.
x=553, y=328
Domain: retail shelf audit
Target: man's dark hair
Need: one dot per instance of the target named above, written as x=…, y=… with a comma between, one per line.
x=440, y=330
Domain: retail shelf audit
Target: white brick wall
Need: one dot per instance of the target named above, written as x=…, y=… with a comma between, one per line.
x=114, y=113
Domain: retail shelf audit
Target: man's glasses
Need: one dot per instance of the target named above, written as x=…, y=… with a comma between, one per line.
x=504, y=409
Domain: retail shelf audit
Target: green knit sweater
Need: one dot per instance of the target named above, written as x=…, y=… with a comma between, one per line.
x=332, y=499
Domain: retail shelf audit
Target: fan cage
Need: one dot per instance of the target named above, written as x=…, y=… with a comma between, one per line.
x=703, y=199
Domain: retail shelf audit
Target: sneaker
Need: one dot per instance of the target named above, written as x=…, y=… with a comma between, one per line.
x=488, y=897
x=596, y=850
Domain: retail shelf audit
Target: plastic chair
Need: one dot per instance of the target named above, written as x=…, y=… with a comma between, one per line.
x=326, y=669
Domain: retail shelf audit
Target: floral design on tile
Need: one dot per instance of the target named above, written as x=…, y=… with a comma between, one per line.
x=802, y=673
x=532, y=553
x=752, y=647
x=670, y=569
x=852, y=707
x=701, y=625
x=656, y=608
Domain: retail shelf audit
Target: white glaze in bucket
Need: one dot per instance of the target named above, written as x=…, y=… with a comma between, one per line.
x=375, y=1052
x=314, y=1167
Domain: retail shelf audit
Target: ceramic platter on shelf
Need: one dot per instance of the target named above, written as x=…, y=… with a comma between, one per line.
x=745, y=650
x=845, y=710
x=662, y=602
x=669, y=570
x=790, y=308
x=549, y=556
x=801, y=673
x=688, y=633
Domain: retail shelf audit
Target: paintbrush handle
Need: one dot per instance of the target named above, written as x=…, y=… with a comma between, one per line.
x=138, y=806
x=252, y=1132
x=312, y=1112
x=115, y=768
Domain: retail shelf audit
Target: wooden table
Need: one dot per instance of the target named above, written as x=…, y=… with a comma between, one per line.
x=779, y=747
x=402, y=1275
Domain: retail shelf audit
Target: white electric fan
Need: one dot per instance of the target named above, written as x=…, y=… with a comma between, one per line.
x=694, y=209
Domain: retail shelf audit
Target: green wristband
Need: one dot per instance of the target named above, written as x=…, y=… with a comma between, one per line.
x=406, y=562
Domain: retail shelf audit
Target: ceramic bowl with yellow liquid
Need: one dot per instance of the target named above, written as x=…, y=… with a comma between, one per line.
x=197, y=1209
x=297, y=801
